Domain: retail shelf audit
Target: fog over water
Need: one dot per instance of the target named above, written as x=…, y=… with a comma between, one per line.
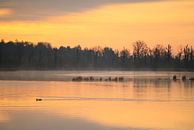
x=68, y=75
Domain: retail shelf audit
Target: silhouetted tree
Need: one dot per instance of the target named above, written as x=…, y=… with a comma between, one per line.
x=140, y=53
x=26, y=55
x=125, y=58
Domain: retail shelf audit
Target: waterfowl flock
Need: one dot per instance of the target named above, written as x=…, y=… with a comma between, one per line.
x=183, y=78
x=110, y=79
x=122, y=79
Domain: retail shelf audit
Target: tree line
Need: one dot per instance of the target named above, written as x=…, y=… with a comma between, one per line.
x=26, y=55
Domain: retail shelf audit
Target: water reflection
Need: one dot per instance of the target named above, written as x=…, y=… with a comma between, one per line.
x=45, y=121
x=98, y=107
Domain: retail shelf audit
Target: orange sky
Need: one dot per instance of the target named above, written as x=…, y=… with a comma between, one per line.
x=115, y=25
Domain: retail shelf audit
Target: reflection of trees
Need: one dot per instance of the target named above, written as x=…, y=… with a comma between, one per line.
x=152, y=82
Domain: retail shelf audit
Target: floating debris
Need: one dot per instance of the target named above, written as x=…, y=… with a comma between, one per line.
x=38, y=99
x=192, y=79
x=91, y=78
x=174, y=77
x=121, y=79
x=184, y=78
x=115, y=79
x=79, y=78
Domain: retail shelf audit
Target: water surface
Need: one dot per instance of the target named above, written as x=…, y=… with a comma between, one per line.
x=138, y=104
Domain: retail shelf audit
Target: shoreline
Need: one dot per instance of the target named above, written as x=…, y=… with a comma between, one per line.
x=109, y=69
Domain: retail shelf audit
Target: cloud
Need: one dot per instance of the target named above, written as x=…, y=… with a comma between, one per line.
x=5, y=12
x=38, y=9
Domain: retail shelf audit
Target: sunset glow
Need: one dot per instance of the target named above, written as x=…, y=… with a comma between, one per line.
x=96, y=64
x=115, y=25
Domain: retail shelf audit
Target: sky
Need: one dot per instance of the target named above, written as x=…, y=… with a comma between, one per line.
x=91, y=23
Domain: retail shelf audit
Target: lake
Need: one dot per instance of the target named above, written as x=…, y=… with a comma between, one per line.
x=145, y=100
